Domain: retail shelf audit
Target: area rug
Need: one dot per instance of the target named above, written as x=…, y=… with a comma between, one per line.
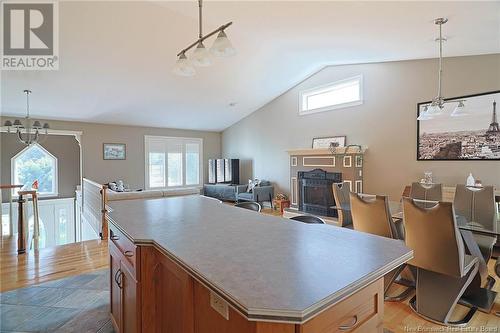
x=75, y=304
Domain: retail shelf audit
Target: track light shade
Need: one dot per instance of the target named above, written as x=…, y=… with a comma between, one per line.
x=183, y=67
x=222, y=46
x=201, y=56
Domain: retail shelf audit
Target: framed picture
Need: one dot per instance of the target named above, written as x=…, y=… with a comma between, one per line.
x=114, y=151
x=473, y=136
x=336, y=141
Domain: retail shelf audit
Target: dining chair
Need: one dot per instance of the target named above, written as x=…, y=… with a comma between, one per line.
x=426, y=192
x=250, y=205
x=343, y=204
x=371, y=214
x=478, y=206
x=444, y=270
x=308, y=219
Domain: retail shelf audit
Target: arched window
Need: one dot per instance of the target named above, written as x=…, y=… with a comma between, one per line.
x=35, y=163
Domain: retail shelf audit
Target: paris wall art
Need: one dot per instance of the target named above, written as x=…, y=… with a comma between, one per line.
x=474, y=135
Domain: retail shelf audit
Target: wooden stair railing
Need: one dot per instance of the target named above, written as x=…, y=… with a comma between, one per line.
x=22, y=226
x=8, y=187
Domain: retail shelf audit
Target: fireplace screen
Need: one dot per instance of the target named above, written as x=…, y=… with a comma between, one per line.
x=315, y=192
x=314, y=195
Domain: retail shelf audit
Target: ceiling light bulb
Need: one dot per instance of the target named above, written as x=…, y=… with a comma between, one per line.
x=460, y=110
x=222, y=46
x=183, y=66
x=201, y=56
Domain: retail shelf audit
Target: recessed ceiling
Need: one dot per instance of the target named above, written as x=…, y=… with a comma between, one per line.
x=116, y=57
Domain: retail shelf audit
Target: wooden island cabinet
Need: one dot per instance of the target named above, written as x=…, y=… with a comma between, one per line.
x=178, y=271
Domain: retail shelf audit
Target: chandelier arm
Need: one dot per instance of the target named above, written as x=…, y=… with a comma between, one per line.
x=20, y=137
x=221, y=28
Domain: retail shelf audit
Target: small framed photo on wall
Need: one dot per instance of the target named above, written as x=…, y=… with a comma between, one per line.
x=328, y=142
x=114, y=151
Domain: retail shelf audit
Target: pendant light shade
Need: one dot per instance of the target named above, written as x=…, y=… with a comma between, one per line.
x=424, y=115
x=435, y=108
x=222, y=46
x=201, y=56
x=183, y=66
x=460, y=110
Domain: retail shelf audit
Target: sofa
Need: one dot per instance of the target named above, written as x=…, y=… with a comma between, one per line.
x=261, y=193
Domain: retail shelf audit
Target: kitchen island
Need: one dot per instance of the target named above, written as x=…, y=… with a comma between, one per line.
x=194, y=265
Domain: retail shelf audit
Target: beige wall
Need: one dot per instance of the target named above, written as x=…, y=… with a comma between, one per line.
x=64, y=148
x=385, y=123
x=132, y=169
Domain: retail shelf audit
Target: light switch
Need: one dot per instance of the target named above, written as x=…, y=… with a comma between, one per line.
x=219, y=305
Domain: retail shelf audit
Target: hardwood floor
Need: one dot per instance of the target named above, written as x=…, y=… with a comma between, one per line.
x=72, y=259
x=17, y=271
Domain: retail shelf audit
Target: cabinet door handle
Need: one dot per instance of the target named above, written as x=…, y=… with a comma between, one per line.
x=116, y=276
x=119, y=279
x=114, y=237
x=351, y=325
x=128, y=253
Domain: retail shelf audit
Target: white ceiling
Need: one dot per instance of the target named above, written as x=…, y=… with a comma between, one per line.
x=116, y=57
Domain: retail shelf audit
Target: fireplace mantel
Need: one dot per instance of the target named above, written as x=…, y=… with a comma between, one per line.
x=325, y=151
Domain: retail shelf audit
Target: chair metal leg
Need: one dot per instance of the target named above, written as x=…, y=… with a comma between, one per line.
x=437, y=296
x=459, y=323
x=389, y=279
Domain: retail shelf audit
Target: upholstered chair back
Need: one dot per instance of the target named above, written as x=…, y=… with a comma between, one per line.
x=342, y=200
x=372, y=215
x=476, y=205
x=431, y=192
x=433, y=235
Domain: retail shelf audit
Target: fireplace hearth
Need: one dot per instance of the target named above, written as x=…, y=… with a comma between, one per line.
x=315, y=191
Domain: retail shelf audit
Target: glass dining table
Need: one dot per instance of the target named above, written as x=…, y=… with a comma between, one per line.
x=463, y=223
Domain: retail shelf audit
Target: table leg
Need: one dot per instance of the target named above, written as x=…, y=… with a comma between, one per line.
x=21, y=232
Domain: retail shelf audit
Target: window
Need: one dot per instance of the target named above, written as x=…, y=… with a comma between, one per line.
x=34, y=163
x=173, y=162
x=340, y=94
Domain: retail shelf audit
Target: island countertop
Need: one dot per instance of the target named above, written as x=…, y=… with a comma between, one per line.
x=266, y=267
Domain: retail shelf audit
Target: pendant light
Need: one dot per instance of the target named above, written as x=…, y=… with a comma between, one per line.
x=201, y=56
x=436, y=107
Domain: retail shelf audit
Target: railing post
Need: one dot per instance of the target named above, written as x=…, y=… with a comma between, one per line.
x=21, y=232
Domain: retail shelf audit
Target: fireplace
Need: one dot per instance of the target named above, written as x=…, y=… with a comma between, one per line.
x=315, y=191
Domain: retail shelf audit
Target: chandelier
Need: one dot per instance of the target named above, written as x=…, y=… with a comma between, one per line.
x=435, y=108
x=201, y=57
x=29, y=131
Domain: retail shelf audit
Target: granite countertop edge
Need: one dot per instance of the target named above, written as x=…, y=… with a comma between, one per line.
x=274, y=315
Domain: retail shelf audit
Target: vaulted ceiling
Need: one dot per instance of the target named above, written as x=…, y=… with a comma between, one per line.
x=116, y=57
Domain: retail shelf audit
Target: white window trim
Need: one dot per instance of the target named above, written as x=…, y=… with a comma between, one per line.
x=302, y=93
x=56, y=173
x=185, y=140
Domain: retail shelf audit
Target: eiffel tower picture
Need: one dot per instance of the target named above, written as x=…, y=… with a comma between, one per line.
x=494, y=128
